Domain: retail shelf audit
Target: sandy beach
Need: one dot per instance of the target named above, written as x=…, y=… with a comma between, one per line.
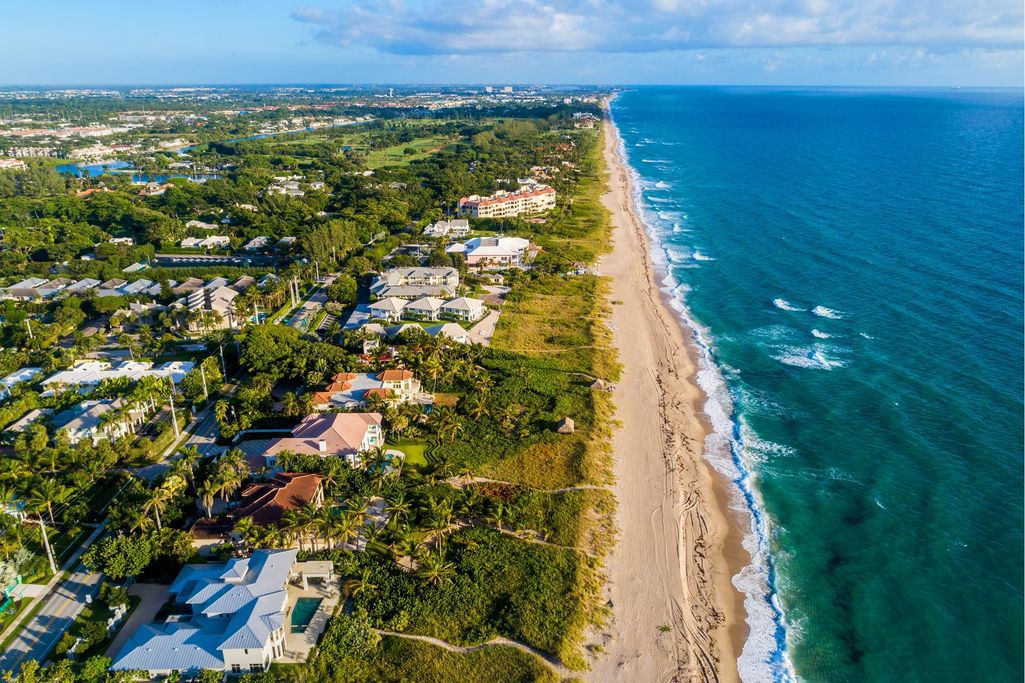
x=675, y=613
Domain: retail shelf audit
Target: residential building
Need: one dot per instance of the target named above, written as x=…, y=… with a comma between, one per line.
x=527, y=199
x=89, y=373
x=23, y=423
x=454, y=332
x=335, y=435
x=464, y=308
x=354, y=389
x=228, y=617
x=16, y=378
x=459, y=227
x=12, y=165
x=257, y=243
x=427, y=308
x=387, y=309
x=415, y=283
x=263, y=502
x=492, y=253
x=90, y=420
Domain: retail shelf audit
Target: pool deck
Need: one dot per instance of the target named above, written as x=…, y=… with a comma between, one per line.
x=299, y=645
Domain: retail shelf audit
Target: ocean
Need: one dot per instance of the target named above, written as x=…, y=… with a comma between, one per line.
x=852, y=262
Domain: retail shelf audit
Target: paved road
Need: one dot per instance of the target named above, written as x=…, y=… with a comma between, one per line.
x=40, y=633
x=203, y=436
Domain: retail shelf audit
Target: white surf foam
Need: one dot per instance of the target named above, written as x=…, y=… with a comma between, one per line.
x=813, y=357
x=785, y=305
x=820, y=334
x=698, y=256
x=764, y=655
x=655, y=161
x=824, y=312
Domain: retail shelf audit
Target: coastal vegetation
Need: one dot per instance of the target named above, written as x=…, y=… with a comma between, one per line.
x=476, y=552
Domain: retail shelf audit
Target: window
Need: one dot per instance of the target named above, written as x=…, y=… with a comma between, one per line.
x=256, y=668
x=236, y=668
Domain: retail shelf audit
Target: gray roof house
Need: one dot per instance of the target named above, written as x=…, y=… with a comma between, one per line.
x=233, y=619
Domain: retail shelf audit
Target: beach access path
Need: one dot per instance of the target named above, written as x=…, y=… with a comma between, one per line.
x=674, y=609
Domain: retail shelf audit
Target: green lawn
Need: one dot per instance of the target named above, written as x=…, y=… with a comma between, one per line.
x=414, y=450
x=396, y=156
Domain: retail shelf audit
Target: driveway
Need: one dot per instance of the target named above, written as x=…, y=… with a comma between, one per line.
x=482, y=332
x=153, y=596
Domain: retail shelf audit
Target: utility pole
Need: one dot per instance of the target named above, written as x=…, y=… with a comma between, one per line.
x=29, y=328
x=46, y=543
x=316, y=267
x=224, y=368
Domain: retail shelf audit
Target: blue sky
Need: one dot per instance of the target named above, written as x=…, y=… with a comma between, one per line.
x=800, y=42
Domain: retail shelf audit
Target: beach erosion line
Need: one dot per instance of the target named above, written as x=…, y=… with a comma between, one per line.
x=765, y=653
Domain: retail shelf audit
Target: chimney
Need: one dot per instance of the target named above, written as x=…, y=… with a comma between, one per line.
x=322, y=446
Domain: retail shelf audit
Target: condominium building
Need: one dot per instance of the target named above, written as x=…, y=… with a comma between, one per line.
x=526, y=200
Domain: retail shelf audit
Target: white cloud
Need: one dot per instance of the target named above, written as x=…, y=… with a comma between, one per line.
x=505, y=26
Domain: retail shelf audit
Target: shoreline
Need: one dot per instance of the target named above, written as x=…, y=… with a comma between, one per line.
x=675, y=612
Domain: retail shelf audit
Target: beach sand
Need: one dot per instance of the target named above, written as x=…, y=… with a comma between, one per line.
x=675, y=613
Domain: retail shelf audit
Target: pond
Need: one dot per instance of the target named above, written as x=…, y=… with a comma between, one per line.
x=117, y=166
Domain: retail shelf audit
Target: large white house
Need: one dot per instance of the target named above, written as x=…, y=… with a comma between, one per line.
x=458, y=227
x=232, y=618
x=415, y=283
x=492, y=253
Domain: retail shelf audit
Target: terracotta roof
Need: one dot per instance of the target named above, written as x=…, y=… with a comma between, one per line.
x=266, y=502
x=321, y=397
x=382, y=392
x=344, y=377
x=335, y=387
x=394, y=375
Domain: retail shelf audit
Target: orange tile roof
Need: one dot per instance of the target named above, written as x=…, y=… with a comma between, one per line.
x=344, y=377
x=267, y=502
x=394, y=375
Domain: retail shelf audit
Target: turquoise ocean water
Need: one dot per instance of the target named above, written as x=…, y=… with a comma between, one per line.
x=852, y=261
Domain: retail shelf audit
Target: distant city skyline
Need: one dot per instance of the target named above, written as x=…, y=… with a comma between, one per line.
x=602, y=42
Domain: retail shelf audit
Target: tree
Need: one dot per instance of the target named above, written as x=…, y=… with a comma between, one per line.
x=359, y=584
x=119, y=556
x=435, y=570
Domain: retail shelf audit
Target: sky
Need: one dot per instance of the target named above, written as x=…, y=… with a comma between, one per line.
x=769, y=42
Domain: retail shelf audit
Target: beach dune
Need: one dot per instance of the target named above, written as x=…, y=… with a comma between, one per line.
x=675, y=613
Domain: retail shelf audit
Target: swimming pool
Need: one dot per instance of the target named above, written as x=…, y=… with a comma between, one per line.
x=302, y=613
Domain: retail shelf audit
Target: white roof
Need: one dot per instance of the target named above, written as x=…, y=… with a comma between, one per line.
x=464, y=303
x=391, y=305
x=95, y=371
x=450, y=330
x=428, y=303
x=235, y=606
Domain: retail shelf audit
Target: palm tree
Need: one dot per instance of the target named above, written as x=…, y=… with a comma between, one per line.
x=477, y=406
x=206, y=496
x=290, y=404
x=435, y=570
x=446, y=423
x=361, y=584
x=155, y=502
x=45, y=494
x=246, y=529
x=398, y=508
x=409, y=544
x=499, y=515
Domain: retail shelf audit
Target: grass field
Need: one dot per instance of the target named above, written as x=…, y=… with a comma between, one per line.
x=396, y=155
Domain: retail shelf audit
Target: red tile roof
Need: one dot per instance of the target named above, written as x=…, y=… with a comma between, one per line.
x=266, y=502
x=394, y=375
